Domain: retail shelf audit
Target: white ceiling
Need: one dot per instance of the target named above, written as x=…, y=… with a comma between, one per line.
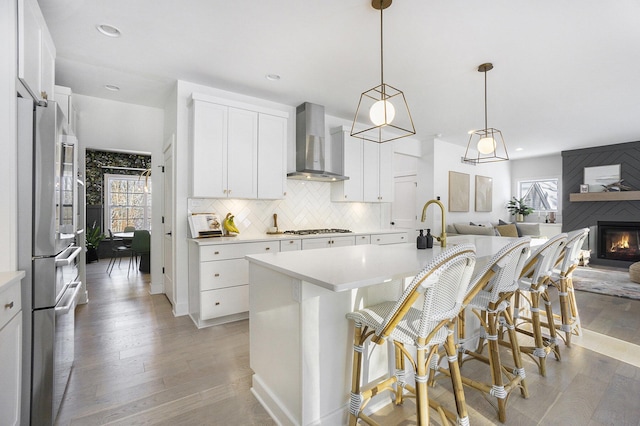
x=566, y=72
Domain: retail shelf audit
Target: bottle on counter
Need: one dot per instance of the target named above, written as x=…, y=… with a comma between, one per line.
x=429, y=239
x=421, y=241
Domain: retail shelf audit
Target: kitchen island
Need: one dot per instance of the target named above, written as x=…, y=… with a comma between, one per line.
x=301, y=342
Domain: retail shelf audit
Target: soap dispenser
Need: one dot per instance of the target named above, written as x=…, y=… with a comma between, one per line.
x=429, y=239
x=421, y=242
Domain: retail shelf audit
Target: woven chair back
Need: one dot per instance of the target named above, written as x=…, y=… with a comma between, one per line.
x=575, y=240
x=502, y=272
x=443, y=283
x=544, y=258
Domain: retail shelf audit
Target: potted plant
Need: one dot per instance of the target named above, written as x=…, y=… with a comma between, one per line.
x=518, y=208
x=93, y=238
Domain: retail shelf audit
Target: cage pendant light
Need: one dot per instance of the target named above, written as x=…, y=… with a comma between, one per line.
x=487, y=143
x=383, y=114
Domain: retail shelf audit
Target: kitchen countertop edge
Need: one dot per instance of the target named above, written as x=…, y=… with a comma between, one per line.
x=278, y=237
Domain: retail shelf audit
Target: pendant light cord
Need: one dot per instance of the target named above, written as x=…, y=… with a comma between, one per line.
x=381, y=51
x=485, y=103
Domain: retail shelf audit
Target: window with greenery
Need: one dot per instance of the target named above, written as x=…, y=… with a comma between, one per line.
x=542, y=194
x=127, y=202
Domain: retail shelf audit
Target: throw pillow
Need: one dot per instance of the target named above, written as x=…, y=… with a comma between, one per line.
x=532, y=229
x=465, y=229
x=509, y=230
x=502, y=222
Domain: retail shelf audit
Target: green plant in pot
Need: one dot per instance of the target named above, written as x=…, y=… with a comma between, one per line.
x=519, y=209
x=93, y=238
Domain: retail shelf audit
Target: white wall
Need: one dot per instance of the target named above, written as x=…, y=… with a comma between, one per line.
x=438, y=159
x=116, y=126
x=547, y=167
x=8, y=171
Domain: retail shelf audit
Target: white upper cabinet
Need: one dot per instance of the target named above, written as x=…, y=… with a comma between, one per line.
x=351, y=165
x=377, y=172
x=64, y=99
x=242, y=154
x=36, y=51
x=272, y=156
x=236, y=152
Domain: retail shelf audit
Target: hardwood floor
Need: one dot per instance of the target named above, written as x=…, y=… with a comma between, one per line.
x=138, y=364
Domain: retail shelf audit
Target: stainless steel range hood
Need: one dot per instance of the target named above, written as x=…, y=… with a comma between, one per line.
x=310, y=145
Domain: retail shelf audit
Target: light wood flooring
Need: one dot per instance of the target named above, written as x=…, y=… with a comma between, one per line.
x=138, y=364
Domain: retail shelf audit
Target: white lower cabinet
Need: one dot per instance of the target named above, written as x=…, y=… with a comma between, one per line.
x=219, y=280
x=327, y=242
x=363, y=239
x=290, y=245
x=10, y=350
x=394, y=238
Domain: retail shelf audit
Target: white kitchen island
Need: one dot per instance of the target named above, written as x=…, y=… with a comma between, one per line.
x=301, y=342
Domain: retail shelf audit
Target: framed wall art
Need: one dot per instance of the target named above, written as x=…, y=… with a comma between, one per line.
x=599, y=176
x=484, y=194
x=458, y=192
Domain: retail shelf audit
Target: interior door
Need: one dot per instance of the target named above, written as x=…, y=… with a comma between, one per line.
x=167, y=214
x=403, y=209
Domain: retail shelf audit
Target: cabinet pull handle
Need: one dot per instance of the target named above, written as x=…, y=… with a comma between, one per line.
x=216, y=275
x=217, y=303
x=9, y=305
x=216, y=252
x=402, y=238
x=267, y=248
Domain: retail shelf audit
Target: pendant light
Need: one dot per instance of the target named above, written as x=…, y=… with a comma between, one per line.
x=490, y=144
x=383, y=110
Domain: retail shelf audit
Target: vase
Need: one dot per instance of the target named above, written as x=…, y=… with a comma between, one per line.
x=92, y=255
x=519, y=217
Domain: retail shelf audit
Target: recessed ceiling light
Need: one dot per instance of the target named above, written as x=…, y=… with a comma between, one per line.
x=111, y=87
x=519, y=149
x=108, y=30
x=272, y=77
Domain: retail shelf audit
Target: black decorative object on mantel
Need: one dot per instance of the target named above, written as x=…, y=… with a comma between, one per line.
x=617, y=187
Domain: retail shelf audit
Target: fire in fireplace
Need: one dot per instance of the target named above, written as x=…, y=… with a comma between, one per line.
x=619, y=241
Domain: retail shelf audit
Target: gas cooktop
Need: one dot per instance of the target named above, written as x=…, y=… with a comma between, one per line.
x=318, y=231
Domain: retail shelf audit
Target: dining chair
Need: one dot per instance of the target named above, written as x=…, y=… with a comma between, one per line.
x=118, y=249
x=140, y=245
x=127, y=242
x=423, y=317
x=569, y=319
x=488, y=299
x=533, y=289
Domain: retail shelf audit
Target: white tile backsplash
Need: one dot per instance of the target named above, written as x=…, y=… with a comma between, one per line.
x=307, y=205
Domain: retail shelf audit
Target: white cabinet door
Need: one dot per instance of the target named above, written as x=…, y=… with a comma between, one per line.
x=290, y=245
x=384, y=239
x=343, y=241
x=315, y=243
x=385, y=173
x=351, y=150
x=208, y=150
x=371, y=171
x=272, y=152
x=377, y=173
x=242, y=154
x=363, y=239
x=10, y=370
x=36, y=51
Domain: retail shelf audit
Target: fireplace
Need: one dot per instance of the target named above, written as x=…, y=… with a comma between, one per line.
x=619, y=241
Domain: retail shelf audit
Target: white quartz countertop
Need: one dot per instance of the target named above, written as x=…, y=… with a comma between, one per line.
x=346, y=268
x=7, y=278
x=242, y=238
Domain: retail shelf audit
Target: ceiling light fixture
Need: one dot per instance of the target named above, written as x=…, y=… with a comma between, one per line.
x=108, y=30
x=272, y=77
x=490, y=146
x=112, y=87
x=384, y=106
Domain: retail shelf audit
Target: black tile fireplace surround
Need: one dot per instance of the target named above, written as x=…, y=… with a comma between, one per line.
x=618, y=241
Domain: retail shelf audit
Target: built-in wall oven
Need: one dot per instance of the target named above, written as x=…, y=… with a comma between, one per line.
x=47, y=251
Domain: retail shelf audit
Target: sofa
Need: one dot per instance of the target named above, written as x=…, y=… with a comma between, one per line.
x=500, y=229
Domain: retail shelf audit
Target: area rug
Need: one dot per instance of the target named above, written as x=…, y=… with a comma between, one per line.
x=605, y=281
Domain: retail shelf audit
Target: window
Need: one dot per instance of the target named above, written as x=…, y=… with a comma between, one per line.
x=127, y=202
x=542, y=194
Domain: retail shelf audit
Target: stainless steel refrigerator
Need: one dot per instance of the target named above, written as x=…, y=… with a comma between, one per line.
x=48, y=252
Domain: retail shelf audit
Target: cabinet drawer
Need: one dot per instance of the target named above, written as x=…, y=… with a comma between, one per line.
x=10, y=303
x=236, y=251
x=389, y=238
x=227, y=301
x=225, y=273
x=290, y=245
x=363, y=239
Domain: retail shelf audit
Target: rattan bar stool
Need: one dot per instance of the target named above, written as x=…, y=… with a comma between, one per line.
x=533, y=283
x=569, y=319
x=488, y=298
x=437, y=292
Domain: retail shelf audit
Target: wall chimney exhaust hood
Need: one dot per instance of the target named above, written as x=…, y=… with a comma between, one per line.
x=310, y=145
